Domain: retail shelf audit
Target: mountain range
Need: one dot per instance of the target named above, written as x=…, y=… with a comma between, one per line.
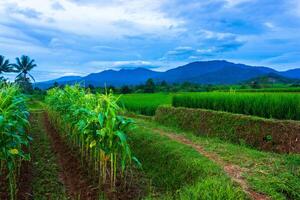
x=202, y=72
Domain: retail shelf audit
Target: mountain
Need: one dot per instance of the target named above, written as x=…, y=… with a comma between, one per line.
x=119, y=78
x=293, y=73
x=62, y=81
x=204, y=72
x=214, y=72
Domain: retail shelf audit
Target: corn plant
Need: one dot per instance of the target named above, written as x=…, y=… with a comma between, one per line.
x=13, y=137
x=93, y=124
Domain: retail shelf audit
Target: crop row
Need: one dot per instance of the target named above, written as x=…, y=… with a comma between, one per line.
x=267, y=105
x=145, y=104
x=13, y=135
x=91, y=123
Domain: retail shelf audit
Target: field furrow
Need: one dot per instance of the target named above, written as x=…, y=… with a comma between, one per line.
x=46, y=180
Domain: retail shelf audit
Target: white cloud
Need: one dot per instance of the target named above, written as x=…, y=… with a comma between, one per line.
x=270, y=25
x=296, y=7
x=233, y=3
x=138, y=16
x=208, y=34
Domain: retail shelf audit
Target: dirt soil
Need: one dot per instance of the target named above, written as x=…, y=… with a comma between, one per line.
x=234, y=172
x=24, y=181
x=73, y=175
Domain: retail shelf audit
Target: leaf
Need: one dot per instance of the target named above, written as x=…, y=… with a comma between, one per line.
x=101, y=119
x=93, y=143
x=14, y=151
x=137, y=162
x=121, y=136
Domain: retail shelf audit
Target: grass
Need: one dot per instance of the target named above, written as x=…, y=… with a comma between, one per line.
x=46, y=183
x=277, y=175
x=145, y=104
x=180, y=172
x=267, y=105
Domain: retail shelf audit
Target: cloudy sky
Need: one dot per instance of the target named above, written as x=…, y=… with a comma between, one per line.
x=77, y=37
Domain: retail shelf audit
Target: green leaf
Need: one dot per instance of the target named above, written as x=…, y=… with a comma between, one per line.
x=101, y=119
x=93, y=143
x=14, y=151
x=137, y=162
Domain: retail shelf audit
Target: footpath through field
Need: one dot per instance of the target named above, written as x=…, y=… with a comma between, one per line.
x=56, y=171
x=228, y=155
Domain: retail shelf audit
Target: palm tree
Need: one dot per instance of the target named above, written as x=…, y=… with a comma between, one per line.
x=23, y=67
x=4, y=65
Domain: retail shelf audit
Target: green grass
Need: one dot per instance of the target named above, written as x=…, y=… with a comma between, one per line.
x=267, y=105
x=180, y=172
x=277, y=175
x=145, y=104
x=46, y=183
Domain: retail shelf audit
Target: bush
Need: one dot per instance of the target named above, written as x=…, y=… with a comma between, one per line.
x=271, y=135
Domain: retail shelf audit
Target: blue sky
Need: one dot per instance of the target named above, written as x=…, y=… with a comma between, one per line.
x=77, y=37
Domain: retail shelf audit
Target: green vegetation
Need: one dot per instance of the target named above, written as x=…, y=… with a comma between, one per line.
x=145, y=104
x=180, y=172
x=92, y=124
x=277, y=89
x=265, y=134
x=23, y=66
x=277, y=175
x=13, y=135
x=267, y=105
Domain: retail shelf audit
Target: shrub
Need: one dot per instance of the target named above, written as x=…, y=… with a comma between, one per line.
x=265, y=134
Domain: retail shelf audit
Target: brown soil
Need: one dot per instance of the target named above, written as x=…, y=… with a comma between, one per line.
x=73, y=175
x=79, y=184
x=24, y=181
x=3, y=186
x=235, y=172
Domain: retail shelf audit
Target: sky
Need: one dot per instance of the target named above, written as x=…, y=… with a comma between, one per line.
x=78, y=37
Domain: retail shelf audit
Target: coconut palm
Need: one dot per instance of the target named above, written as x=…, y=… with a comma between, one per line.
x=23, y=67
x=4, y=65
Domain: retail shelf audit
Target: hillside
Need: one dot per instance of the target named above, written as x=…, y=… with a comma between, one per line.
x=204, y=72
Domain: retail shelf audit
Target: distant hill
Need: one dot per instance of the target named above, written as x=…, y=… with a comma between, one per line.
x=293, y=73
x=61, y=81
x=204, y=72
x=272, y=79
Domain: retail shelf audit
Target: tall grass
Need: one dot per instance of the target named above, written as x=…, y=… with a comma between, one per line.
x=267, y=105
x=145, y=104
x=13, y=136
x=287, y=89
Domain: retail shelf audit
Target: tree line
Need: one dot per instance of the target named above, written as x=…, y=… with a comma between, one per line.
x=22, y=67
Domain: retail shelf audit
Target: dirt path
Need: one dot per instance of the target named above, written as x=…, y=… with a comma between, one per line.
x=74, y=177
x=234, y=172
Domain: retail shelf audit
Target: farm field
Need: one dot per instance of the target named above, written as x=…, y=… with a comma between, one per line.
x=145, y=104
x=267, y=105
x=149, y=100
x=70, y=149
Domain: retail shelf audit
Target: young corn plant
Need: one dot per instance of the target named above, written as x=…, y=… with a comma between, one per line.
x=13, y=137
x=93, y=124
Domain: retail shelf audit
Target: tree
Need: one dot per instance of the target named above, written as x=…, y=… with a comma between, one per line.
x=125, y=89
x=23, y=67
x=5, y=66
x=150, y=86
